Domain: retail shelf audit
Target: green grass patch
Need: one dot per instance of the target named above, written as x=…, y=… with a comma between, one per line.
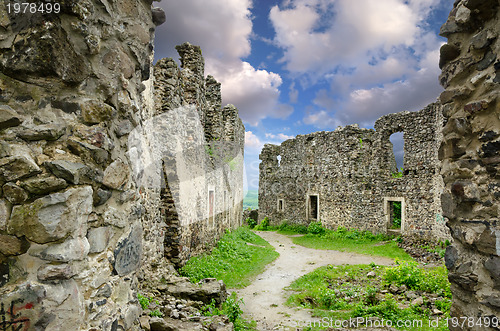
x=362, y=242
x=388, y=249
x=361, y=291
x=232, y=260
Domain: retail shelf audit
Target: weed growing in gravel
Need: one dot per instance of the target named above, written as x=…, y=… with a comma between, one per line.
x=231, y=308
x=232, y=260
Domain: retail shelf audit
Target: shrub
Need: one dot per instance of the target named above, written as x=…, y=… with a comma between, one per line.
x=231, y=308
x=408, y=273
x=251, y=222
x=264, y=224
x=144, y=301
x=315, y=228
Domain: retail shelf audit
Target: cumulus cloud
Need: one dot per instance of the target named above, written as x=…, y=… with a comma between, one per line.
x=279, y=136
x=223, y=30
x=320, y=35
x=293, y=93
x=377, y=55
x=252, y=141
x=321, y=119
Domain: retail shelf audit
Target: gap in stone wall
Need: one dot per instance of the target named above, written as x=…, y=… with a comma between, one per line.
x=397, y=141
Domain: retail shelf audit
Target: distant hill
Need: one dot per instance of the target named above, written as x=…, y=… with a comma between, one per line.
x=251, y=200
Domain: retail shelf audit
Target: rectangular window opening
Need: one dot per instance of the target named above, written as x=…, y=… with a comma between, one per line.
x=281, y=205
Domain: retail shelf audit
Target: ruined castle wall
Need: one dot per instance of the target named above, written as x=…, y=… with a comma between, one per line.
x=350, y=172
x=470, y=155
x=71, y=233
x=202, y=152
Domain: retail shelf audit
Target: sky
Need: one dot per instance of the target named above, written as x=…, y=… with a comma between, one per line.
x=299, y=66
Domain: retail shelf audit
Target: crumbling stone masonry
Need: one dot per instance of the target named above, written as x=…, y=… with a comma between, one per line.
x=202, y=150
x=344, y=177
x=470, y=156
x=90, y=207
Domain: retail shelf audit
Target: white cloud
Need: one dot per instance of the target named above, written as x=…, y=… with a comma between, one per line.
x=223, y=30
x=320, y=35
x=364, y=106
x=293, y=93
x=377, y=55
x=321, y=119
x=252, y=141
x=279, y=136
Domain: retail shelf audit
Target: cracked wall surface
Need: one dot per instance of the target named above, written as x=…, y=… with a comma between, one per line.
x=350, y=171
x=470, y=156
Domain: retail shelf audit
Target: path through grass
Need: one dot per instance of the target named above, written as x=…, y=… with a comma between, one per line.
x=238, y=257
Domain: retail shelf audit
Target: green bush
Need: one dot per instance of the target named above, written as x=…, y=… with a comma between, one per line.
x=263, y=226
x=231, y=308
x=251, y=222
x=410, y=274
x=315, y=228
x=143, y=301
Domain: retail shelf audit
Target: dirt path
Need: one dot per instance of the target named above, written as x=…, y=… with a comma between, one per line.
x=265, y=297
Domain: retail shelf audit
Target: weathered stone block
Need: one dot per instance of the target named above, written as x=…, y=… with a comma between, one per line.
x=42, y=132
x=99, y=238
x=447, y=53
x=43, y=185
x=128, y=252
x=159, y=16
x=11, y=245
x=17, y=167
x=52, y=217
x=94, y=112
x=73, y=172
x=116, y=174
x=5, y=210
x=450, y=257
x=14, y=193
x=70, y=250
x=55, y=272
x=493, y=267
x=88, y=151
x=8, y=117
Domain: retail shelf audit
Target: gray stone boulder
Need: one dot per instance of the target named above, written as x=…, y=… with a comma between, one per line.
x=43, y=185
x=52, y=217
x=206, y=290
x=17, y=167
x=8, y=117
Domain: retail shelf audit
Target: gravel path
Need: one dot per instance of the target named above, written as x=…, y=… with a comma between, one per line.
x=265, y=297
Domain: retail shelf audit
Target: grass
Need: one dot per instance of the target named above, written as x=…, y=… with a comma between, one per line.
x=388, y=249
x=232, y=260
x=251, y=199
x=342, y=292
x=362, y=242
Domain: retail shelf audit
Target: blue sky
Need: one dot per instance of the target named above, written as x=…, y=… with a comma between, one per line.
x=299, y=66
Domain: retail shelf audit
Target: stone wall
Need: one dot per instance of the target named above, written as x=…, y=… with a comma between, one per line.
x=70, y=213
x=470, y=155
x=105, y=183
x=201, y=147
x=349, y=172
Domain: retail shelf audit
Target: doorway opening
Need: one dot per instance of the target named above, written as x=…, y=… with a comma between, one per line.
x=313, y=207
x=394, y=209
